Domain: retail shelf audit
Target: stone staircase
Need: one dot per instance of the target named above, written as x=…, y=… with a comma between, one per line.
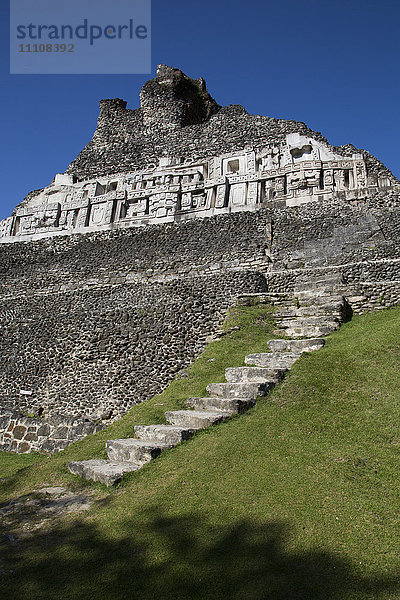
x=318, y=312
x=320, y=309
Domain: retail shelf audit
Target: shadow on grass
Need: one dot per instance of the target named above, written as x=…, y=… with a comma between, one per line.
x=170, y=558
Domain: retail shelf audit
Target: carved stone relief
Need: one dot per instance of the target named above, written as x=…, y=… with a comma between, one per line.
x=295, y=171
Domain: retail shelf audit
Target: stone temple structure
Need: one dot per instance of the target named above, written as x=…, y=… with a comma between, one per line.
x=182, y=156
x=115, y=275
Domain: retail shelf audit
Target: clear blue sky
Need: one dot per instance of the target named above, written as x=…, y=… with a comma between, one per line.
x=334, y=64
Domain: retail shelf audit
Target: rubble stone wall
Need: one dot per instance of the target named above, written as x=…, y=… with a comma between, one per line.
x=93, y=324
x=98, y=352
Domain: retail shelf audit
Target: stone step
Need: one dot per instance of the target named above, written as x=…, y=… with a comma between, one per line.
x=165, y=434
x=308, y=332
x=107, y=472
x=287, y=321
x=195, y=419
x=311, y=300
x=310, y=321
x=286, y=304
x=328, y=282
x=321, y=294
x=304, y=331
x=240, y=390
x=133, y=450
x=332, y=309
x=304, y=345
x=253, y=374
x=320, y=310
x=277, y=360
x=230, y=405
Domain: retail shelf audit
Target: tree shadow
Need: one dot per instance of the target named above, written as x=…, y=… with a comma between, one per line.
x=161, y=557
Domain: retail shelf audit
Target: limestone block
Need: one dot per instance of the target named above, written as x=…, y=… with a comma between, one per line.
x=230, y=405
x=305, y=345
x=107, y=472
x=240, y=390
x=222, y=196
x=253, y=374
x=165, y=434
x=273, y=360
x=133, y=450
x=237, y=194
x=19, y=432
x=63, y=179
x=195, y=419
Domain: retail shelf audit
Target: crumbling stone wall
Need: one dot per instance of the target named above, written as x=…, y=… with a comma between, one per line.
x=93, y=324
x=98, y=352
x=128, y=142
x=329, y=233
x=177, y=117
x=117, y=257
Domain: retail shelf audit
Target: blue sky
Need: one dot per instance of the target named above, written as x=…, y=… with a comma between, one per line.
x=334, y=64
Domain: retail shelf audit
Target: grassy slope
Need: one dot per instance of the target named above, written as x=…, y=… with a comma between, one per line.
x=297, y=499
x=11, y=463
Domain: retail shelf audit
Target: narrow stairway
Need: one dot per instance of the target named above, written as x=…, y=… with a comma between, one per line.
x=319, y=311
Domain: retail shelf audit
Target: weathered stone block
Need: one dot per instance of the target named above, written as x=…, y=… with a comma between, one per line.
x=240, y=390
x=306, y=345
x=166, y=434
x=253, y=374
x=60, y=433
x=277, y=360
x=133, y=450
x=230, y=405
x=104, y=471
x=194, y=419
x=19, y=432
x=43, y=430
x=24, y=447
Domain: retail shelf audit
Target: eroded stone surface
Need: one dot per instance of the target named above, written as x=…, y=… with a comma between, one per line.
x=274, y=360
x=240, y=390
x=166, y=434
x=231, y=405
x=107, y=472
x=197, y=419
x=290, y=171
x=133, y=450
x=29, y=513
x=305, y=345
x=253, y=374
x=22, y=434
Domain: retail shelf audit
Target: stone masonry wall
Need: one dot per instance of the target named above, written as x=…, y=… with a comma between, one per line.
x=98, y=352
x=271, y=239
x=19, y=433
x=94, y=324
x=118, y=257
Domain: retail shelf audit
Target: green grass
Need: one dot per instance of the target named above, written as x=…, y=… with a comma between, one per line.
x=297, y=499
x=12, y=463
